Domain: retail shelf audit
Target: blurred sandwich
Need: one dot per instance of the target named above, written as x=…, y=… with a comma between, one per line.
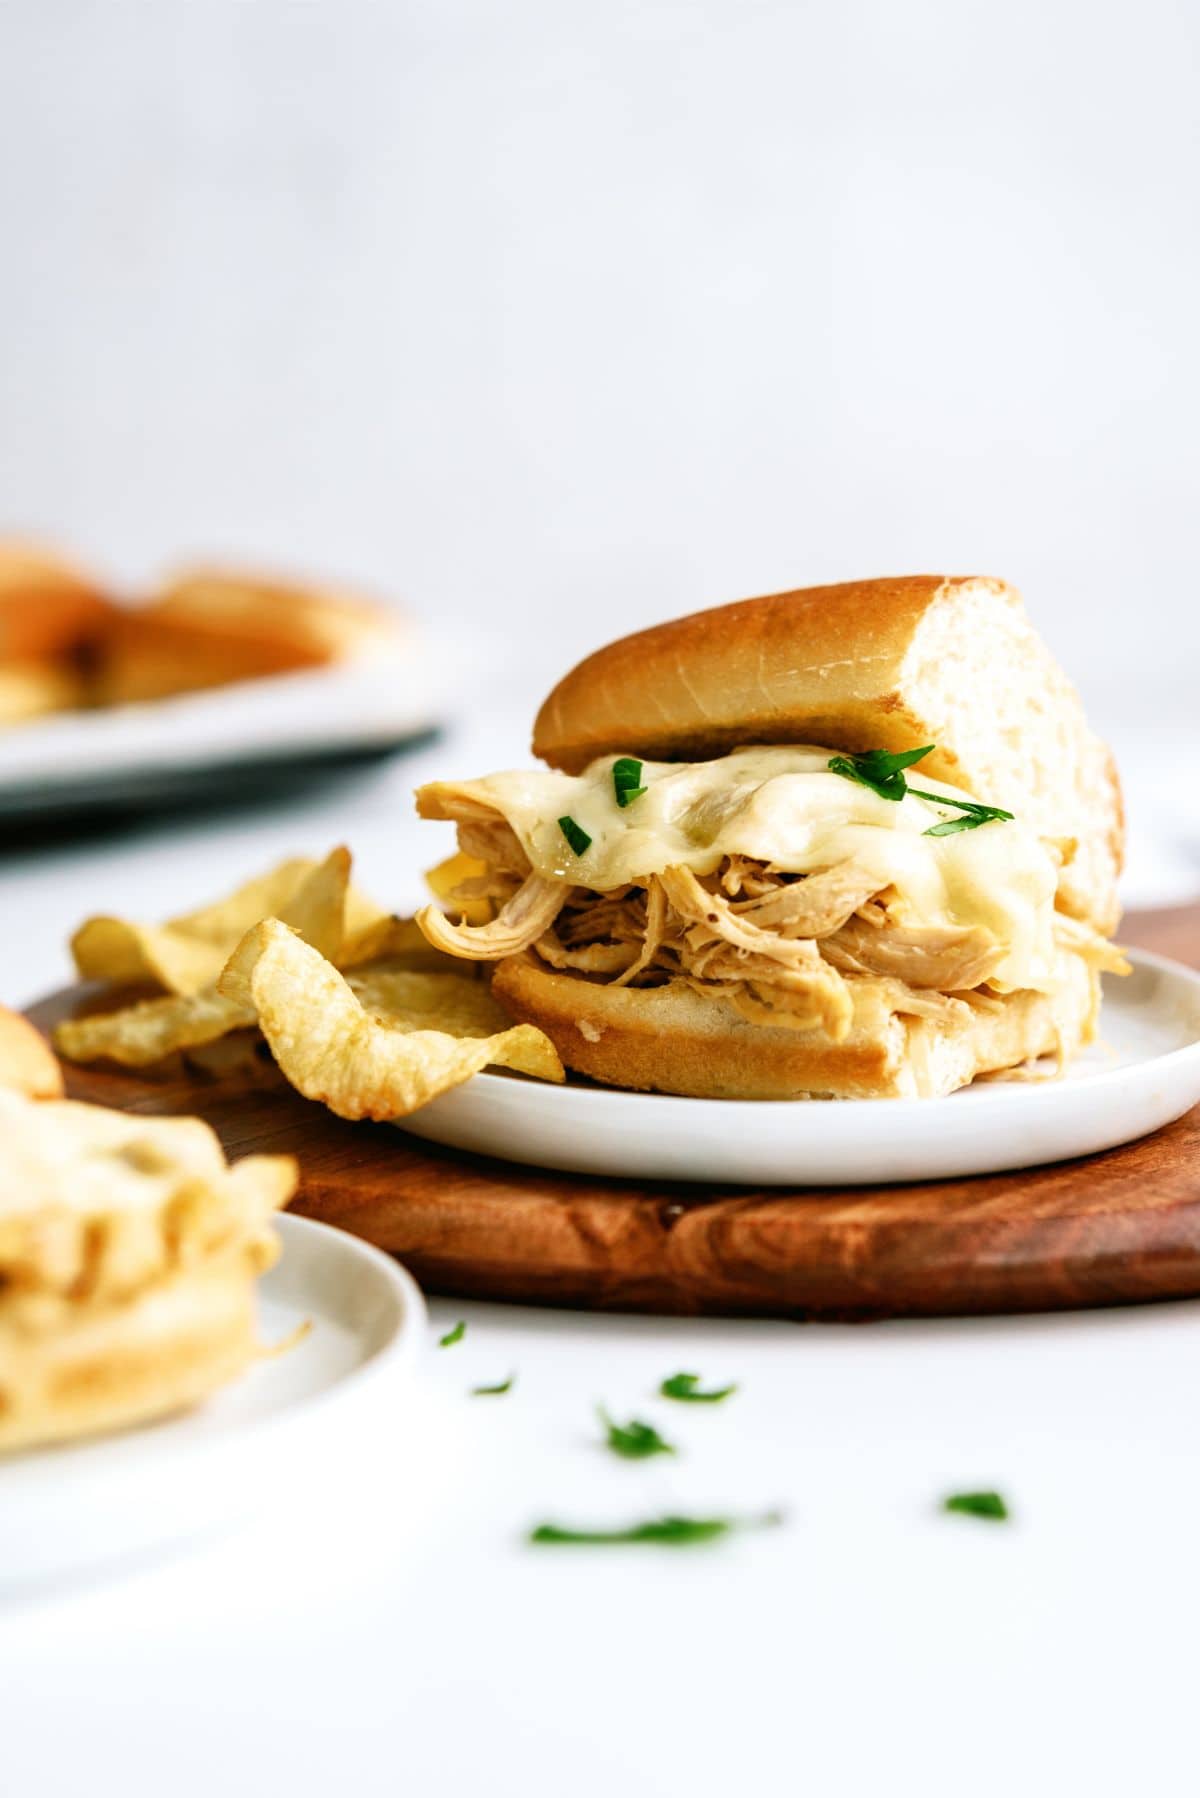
x=27, y=1062
x=845, y=842
x=211, y=627
x=129, y=1249
x=51, y=616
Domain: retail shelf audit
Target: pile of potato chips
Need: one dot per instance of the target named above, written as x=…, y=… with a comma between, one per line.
x=357, y=1009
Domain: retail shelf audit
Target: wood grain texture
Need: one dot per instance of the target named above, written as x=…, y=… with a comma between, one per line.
x=1122, y=1227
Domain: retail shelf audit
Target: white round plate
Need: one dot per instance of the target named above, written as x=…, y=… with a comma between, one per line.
x=78, y=1506
x=1144, y=1073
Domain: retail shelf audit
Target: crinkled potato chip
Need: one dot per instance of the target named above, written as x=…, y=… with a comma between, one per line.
x=420, y=999
x=333, y=1048
x=187, y=953
x=139, y=1035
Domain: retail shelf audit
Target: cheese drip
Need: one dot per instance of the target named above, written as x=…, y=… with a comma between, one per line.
x=783, y=806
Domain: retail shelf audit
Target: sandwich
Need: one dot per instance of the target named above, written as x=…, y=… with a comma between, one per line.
x=129, y=1251
x=845, y=842
x=211, y=627
x=27, y=1062
x=51, y=616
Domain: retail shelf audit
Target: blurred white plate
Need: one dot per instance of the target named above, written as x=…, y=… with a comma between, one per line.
x=1144, y=1073
x=75, y=1507
x=213, y=744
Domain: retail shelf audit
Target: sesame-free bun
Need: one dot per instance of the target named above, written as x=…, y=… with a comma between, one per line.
x=673, y=1039
x=880, y=664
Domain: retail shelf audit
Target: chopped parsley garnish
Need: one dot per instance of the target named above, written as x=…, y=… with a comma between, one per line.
x=884, y=774
x=575, y=834
x=879, y=769
x=977, y=1504
x=973, y=815
x=686, y=1386
x=627, y=777
x=674, y=1531
x=453, y=1336
x=494, y=1391
x=634, y=1440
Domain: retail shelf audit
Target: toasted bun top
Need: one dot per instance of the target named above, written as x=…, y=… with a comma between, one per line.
x=886, y=664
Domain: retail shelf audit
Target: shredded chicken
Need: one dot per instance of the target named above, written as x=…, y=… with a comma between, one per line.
x=950, y=958
x=813, y=907
x=520, y=921
x=782, y=949
x=494, y=842
x=1096, y=950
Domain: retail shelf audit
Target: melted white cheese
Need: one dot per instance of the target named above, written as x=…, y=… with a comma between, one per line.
x=784, y=806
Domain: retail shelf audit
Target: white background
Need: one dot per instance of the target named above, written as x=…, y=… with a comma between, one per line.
x=552, y=319
x=558, y=317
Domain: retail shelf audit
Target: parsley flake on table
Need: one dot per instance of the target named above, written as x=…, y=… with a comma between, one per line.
x=495, y=1391
x=454, y=1335
x=978, y=1504
x=634, y=1440
x=686, y=1387
x=675, y=1532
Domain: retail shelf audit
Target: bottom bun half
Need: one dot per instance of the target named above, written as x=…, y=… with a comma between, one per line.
x=672, y=1039
x=69, y=1369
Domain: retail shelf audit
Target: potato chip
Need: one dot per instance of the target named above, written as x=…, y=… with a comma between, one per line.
x=402, y=942
x=27, y=1063
x=379, y=1060
x=444, y=880
x=186, y=954
x=423, y=999
x=142, y=1034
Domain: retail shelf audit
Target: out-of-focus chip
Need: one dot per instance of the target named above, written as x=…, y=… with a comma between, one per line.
x=186, y=954
x=382, y=1058
x=456, y=871
x=402, y=943
x=27, y=1063
x=140, y=1035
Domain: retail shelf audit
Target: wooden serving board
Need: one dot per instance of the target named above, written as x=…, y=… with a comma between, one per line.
x=1116, y=1228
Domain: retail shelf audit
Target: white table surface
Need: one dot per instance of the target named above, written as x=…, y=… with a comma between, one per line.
x=393, y=1633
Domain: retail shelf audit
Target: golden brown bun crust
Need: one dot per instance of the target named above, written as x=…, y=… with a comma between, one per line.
x=47, y=607
x=672, y=1039
x=211, y=627
x=104, y=1368
x=701, y=685
x=27, y=1062
x=888, y=664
